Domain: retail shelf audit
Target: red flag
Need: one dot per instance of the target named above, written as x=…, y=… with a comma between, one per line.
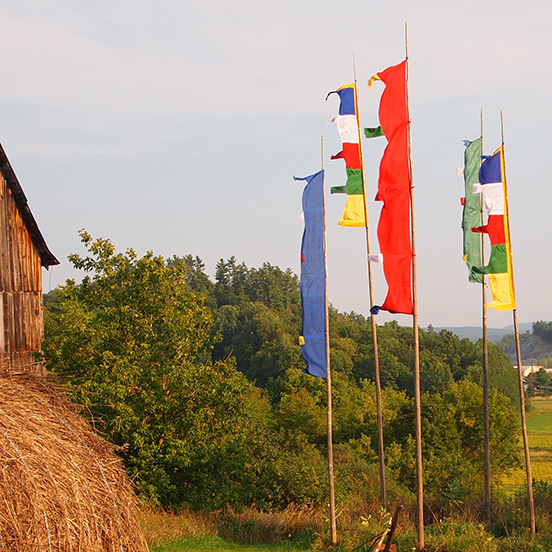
x=394, y=230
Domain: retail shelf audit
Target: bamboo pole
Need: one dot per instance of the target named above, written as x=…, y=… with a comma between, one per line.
x=379, y=414
x=416, y=339
x=530, y=499
x=333, y=524
x=486, y=422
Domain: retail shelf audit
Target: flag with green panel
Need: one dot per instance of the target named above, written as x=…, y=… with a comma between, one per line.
x=492, y=186
x=472, y=214
x=354, y=213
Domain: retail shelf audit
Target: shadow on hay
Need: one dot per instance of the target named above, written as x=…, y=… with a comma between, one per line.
x=61, y=486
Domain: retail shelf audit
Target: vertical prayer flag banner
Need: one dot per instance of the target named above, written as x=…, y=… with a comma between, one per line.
x=492, y=187
x=472, y=214
x=313, y=278
x=394, y=228
x=347, y=125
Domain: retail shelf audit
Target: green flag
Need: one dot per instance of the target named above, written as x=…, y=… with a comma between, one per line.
x=472, y=216
x=373, y=132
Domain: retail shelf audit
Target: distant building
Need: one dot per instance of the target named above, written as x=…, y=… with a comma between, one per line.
x=23, y=252
x=526, y=370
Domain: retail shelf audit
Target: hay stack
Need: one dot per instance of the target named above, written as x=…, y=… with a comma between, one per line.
x=61, y=486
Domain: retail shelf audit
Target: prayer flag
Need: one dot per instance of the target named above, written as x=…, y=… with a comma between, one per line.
x=373, y=132
x=492, y=187
x=394, y=229
x=472, y=215
x=313, y=278
x=354, y=213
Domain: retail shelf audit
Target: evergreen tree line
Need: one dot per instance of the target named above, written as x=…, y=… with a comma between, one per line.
x=543, y=330
x=200, y=384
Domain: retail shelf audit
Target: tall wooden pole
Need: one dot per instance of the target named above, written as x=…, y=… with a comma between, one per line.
x=417, y=397
x=530, y=501
x=333, y=525
x=379, y=414
x=486, y=422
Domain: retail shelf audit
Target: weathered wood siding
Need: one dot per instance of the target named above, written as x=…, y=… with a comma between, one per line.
x=21, y=326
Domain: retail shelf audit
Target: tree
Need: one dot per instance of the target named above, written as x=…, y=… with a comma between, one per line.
x=542, y=381
x=465, y=400
x=452, y=436
x=543, y=330
x=502, y=375
x=134, y=346
x=435, y=375
x=159, y=356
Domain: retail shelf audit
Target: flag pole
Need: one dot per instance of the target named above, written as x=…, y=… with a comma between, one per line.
x=530, y=500
x=486, y=422
x=417, y=397
x=333, y=525
x=379, y=414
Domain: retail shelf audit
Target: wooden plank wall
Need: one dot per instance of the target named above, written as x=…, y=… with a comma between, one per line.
x=21, y=325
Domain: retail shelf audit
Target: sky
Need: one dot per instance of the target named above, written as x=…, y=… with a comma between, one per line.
x=177, y=126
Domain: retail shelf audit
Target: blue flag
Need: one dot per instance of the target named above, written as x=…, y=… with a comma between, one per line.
x=313, y=278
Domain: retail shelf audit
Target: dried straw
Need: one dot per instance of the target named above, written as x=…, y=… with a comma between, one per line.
x=62, y=488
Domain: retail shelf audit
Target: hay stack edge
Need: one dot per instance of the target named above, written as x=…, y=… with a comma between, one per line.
x=61, y=485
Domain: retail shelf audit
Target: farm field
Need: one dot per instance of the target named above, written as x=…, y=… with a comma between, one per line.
x=539, y=431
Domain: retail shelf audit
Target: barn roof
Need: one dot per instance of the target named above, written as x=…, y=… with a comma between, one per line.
x=46, y=256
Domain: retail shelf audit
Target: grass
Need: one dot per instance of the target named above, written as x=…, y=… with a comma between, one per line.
x=160, y=526
x=539, y=429
x=206, y=543
x=539, y=433
x=290, y=530
x=452, y=534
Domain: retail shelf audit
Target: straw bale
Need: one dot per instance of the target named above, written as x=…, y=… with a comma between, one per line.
x=62, y=488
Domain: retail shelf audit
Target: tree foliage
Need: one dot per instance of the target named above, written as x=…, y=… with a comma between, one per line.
x=201, y=384
x=543, y=330
x=134, y=345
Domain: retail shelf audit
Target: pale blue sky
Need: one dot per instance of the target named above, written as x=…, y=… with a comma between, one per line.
x=177, y=126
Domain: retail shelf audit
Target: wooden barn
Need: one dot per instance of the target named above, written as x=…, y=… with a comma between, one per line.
x=23, y=252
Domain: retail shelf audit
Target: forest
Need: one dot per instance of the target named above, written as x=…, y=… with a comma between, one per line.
x=200, y=385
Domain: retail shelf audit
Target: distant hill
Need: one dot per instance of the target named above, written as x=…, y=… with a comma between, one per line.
x=532, y=347
x=473, y=333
